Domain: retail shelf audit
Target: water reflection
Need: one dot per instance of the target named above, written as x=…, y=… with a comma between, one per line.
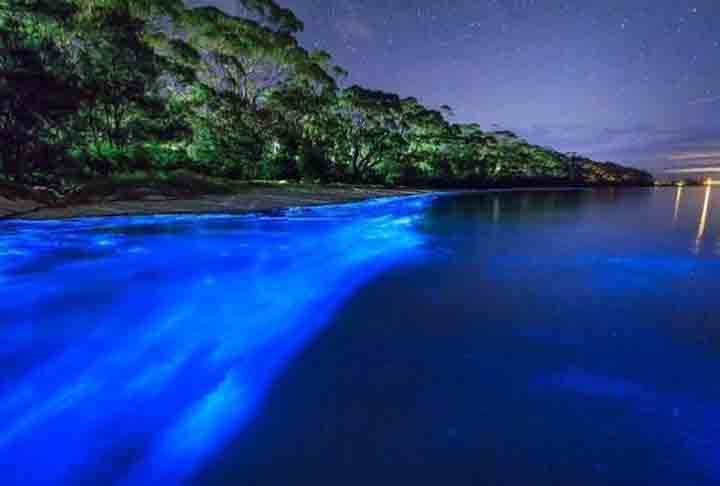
x=678, y=198
x=700, y=219
x=496, y=210
x=702, y=226
x=491, y=332
x=522, y=352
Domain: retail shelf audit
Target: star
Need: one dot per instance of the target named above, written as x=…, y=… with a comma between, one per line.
x=589, y=63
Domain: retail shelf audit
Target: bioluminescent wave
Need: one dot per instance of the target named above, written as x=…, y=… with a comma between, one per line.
x=134, y=348
x=549, y=338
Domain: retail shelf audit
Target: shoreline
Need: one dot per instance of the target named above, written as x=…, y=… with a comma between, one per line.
x=256, y=200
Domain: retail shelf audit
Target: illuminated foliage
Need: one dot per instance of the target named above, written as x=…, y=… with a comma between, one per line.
x=98, y=87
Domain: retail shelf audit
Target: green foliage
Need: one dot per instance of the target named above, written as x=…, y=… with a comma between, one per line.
x=225, y=140
x=37, y=90
x=90, y=89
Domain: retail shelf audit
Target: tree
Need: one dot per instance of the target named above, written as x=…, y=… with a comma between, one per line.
x=369, y=130
x=37, y=90
x=248, y=71
x=95, y=87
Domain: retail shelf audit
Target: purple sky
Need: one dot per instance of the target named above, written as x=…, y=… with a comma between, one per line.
x=635, y=81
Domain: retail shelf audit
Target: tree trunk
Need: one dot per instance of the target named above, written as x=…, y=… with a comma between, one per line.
x=355, y=167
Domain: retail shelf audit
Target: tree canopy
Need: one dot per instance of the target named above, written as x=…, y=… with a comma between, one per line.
x=92, y=88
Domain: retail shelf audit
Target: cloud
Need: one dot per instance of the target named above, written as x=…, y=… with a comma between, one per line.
x=694, y=156
x=694, y=170
x=644, y=145
x=695, y=162
x=704, y=101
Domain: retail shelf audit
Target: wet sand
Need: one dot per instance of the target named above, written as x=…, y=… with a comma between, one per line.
x=255, y=199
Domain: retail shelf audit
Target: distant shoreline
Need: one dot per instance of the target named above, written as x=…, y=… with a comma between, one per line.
x=261, y=199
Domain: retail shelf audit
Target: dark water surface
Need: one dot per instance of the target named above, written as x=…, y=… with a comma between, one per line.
x=520, y=338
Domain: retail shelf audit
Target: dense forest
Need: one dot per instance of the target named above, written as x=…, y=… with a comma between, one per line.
x=100, y=89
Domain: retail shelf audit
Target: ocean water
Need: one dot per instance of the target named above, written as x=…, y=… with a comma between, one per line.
x=515, y=338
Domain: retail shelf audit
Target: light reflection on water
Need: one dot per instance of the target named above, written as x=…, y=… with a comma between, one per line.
x=704, y=215
x=678, y=200
x=702, y=225
x=551, y=338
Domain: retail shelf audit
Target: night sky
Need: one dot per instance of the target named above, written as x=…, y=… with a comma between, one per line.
x=635, y=81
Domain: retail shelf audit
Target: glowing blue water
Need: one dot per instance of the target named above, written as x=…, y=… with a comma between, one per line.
x=550, y=338
x=154, y=339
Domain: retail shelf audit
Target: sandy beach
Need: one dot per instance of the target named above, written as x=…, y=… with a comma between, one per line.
x=254, y=199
